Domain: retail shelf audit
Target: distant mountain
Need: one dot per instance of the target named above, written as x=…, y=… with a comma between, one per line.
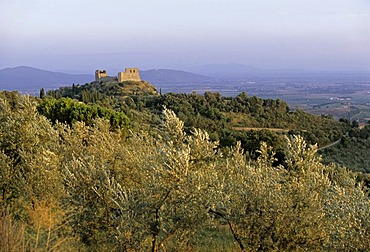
x=24, y=77
x=224, y=70
x=235, y=71
x=168, y=76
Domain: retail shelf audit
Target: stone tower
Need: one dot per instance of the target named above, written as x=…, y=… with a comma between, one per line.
x=99, y=74
x=130, y=74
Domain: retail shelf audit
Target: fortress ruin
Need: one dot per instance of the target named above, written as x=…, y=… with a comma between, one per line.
x=130, y=74
x=99, y=74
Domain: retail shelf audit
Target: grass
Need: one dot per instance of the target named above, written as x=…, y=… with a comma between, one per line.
x=218, y=238
x=11, y=234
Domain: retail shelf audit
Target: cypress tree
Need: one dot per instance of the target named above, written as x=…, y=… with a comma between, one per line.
x=42, y=93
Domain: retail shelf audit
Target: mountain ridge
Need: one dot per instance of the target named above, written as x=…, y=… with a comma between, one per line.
x=26, y=77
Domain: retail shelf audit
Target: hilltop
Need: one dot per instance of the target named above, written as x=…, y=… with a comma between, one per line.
x=97, y=90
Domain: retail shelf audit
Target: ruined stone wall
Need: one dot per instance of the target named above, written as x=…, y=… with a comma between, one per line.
x=99, y=74
x=130, y=74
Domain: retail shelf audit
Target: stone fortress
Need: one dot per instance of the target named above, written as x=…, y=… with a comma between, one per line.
x=130, y=74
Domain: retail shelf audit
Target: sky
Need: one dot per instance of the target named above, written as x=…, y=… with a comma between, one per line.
x=84, y=35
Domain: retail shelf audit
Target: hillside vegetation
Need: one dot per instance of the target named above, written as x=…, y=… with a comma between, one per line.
x=228, y=120
x=98, y=90
x=68, y=111
x=352, y=151
x=88, y=187
x=222, y=117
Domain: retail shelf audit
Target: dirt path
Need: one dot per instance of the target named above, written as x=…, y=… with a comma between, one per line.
x=330, y=145
x=252, y=128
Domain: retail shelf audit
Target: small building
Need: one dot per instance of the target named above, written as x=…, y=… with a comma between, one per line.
x=344, y=98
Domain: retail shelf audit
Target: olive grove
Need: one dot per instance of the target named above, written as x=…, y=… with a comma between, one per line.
x=89, y=187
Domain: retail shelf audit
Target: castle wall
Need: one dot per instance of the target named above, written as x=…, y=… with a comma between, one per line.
x=130, y=74
x=99, y=74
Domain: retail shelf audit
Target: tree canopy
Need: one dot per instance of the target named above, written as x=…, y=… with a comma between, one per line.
x=68, y=111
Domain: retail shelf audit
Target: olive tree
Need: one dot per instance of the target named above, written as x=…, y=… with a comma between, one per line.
x=154, y=189
x=303, y=206
x=30, y=182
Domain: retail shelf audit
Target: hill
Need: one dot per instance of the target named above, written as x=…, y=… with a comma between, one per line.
x=228, y=120
x=84, y=184
x=166, y=76
x=24, y=77
x=352, y=151
x=98, y=90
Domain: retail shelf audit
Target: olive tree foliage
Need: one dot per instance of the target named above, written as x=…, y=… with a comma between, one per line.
x=155, y=193
x=29, y=147
x=152, y=190
x=89, y=154
x=31, y=187
x=306, y=206
x=86, y=187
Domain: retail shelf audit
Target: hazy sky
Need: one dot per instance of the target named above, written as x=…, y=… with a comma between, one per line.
x=89, y=34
